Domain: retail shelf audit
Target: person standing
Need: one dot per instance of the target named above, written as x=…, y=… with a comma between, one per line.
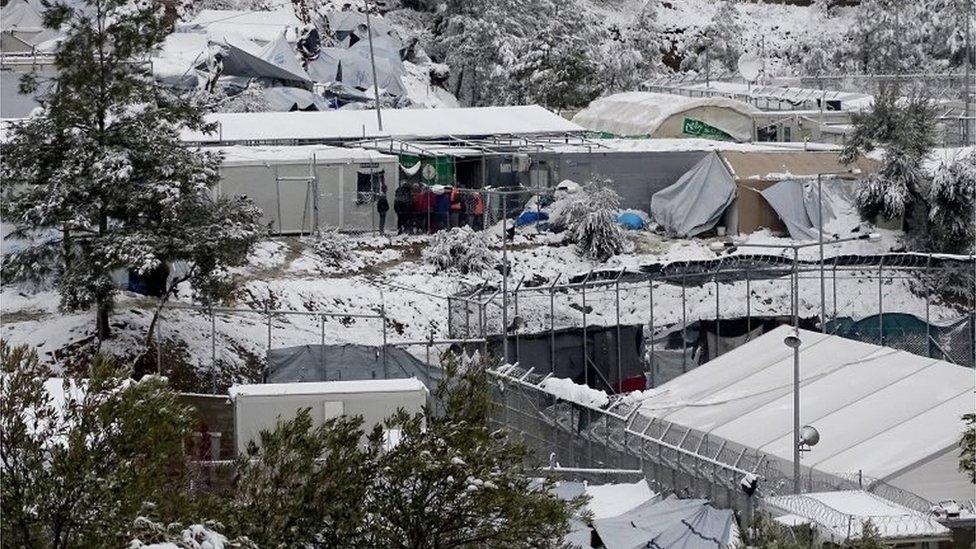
x=455, y=207
x=401, y=207
x=478, y=211
x=382, y=206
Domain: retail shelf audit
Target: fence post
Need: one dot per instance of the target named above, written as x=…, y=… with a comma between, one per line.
x=620, y=378
x=586, y=360
x=880, y=303
x=928, y=299
x=552, y=325
x=748, y=303
x=718, y=317
x=213, y=350
x=386, y=373
x=650, y=293
x=267, y=311
x=325, y=366
x=159, y=352
x=684, y=326
x=834, y=286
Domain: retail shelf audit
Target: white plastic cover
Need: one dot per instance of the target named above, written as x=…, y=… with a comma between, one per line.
x=797, y=203
x=696, y=201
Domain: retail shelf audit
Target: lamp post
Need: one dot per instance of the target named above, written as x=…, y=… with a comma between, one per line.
x=805, y=436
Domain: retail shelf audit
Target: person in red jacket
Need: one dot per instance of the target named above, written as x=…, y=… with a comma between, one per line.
x=478, y=211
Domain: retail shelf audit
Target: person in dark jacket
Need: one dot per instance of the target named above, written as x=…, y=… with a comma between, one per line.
x=382, y=206
x=443, y=209
x=402, y=204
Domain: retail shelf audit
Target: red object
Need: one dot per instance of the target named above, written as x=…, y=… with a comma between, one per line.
x=636, y=383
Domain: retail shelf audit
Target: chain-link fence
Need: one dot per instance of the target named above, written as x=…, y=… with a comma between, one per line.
x=696, y=310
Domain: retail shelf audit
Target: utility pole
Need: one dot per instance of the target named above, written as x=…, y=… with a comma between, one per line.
x=372, y=62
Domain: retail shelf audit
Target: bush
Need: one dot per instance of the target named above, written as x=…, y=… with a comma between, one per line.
x=590, y=216
x=952, y=197
x=332, y=246
x=893, y=189
x=460, y=248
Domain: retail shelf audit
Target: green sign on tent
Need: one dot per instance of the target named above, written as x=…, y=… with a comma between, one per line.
x=697, y=128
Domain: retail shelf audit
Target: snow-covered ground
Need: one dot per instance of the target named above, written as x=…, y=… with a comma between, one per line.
x=388, y=274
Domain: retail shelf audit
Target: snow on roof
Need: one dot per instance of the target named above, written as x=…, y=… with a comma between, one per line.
x=343, y=125
x=785, y=164
x=611, y=500
x=247, y=155
x=642, y=113
x=676, y=144
x=879, y=411
x=405, y=385
x=263, y=26
x=20, y=15
x=840, y=515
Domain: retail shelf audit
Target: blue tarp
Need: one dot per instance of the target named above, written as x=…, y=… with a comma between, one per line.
x=530, y=217
x=630, y=220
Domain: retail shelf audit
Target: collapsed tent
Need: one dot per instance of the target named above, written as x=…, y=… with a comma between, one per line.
x=261, y=26
x=274, y=61
x=645, y=114
x=285, y=99
x=23, y=29
x=670, y=523
x=353, y=67
x=697, y=201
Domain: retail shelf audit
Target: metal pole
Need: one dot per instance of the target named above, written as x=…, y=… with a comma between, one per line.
x=718, y=317
x=650, y=293
x=213, y=350
x=796, y=419
x=820, y=243
x=552, y=325
x=586, y=358
x=620, y=378
x=325, y=367
x=748, y=304
x=372, y=62
x=505, y=277
x=928, y=299
x=796, y=288
x=684, y=328
x=880, y=303
x=267, y=311
x=386, y=373
x=833, y=286
x=159, y=354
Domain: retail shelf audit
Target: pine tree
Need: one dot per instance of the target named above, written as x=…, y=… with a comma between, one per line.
x=100, y=180
x=590, y=217
x=634, y=54
x=967, y=447
x=952, y=200
x=716, y=46
x=77, y=470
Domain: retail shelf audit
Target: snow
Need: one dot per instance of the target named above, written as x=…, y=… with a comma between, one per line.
x=880, y=411
x=352, y=124
x=262, y=26
x=566, y=389
x=328, y=387
x=611, y=500
x=840, y=515
x=240, y=155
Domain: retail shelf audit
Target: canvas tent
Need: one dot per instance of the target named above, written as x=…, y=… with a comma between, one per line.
x=646, y=114
x=22, y=27
x=304, y=187
x=260, y=26
x=276, y=60
x=883, y=414
x=670, y=523
x=748, y=190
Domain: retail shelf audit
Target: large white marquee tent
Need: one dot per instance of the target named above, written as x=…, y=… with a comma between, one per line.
x=882, y=413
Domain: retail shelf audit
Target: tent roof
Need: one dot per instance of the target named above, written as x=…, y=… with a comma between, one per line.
x=669, y=522
x=243, y=155
x=642, y=113
x=777, y=165
x=830, y=511
x=343, y=125
x=879, y=410
x=20, y=15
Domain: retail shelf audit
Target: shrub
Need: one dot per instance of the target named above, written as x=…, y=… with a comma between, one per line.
x=460, y=248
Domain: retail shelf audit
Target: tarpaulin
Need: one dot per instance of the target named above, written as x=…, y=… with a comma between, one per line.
x=697, y=201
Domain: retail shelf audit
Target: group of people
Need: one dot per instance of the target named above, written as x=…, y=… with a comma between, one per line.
x=421, y=209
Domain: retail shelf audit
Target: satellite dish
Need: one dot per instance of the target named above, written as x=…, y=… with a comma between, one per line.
x=749, y=66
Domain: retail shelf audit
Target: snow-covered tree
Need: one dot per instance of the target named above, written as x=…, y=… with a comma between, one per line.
x=332, y=246
x=952, y=200
x=153, y=534
x=716, y=47
x=460, y=248
x=891, y=191
x=590, y=217
x=967, y=447
x=453, y=480
x=82, y=458
x=632, y=55
x=894, y=123
x=99, y=180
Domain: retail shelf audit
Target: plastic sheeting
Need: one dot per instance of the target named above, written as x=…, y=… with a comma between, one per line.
x=670, y=523
x=305, y=363
x=697, y=201
x=797, y=203
x=276, y=60
x=293, y=99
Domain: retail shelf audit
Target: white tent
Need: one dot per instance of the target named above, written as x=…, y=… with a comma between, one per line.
x=261, y=26
x=882, y=413
x=697, y=201
x=662, y=115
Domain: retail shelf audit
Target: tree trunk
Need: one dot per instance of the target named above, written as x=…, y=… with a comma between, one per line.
x=102, y=328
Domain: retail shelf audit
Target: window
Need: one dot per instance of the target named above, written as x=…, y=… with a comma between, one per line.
x=369, y=184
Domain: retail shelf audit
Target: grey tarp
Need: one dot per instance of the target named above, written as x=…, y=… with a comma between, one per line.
x=796, y=203
x=352, y=67
x=273, y=61
x=668, y=523
x=697, y=201
x=283, y=98
x=344, y=362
